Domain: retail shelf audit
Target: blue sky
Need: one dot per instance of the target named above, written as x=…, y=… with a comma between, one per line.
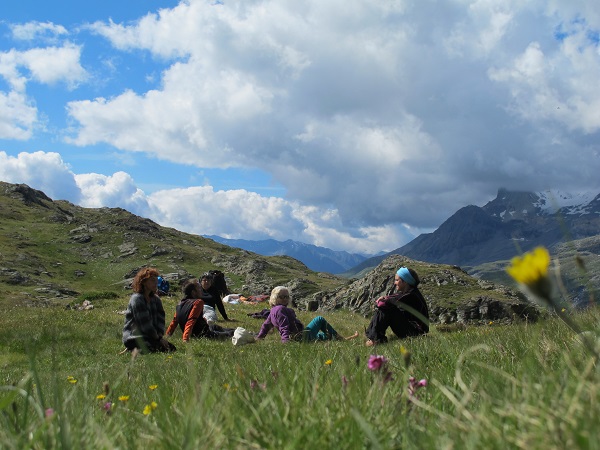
x=353, y=125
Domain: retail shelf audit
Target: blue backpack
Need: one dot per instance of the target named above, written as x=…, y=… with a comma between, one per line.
x=163, y=286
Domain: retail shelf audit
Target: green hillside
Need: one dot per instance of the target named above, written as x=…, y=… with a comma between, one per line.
x=54, y=249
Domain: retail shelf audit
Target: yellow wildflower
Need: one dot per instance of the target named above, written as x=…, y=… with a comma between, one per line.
x=100, y=396
x=328, y=362
x=531, y=272
x=149, y=408
x=405, y=355
x=71, y=380
x=124, y=398
x=531, y=267
x=153, y=386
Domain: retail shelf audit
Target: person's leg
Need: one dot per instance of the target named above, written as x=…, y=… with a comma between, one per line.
x=319, y=324
x=379, y=324
x=220, y=329
x=209, y=314
x=401, y=324
x=216, y=332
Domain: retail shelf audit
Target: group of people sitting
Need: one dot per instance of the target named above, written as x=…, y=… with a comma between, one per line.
x=404, y=311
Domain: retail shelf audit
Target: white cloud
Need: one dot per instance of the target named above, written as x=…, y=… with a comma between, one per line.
x=17, y=116
x=199, y=210
x=43, y=171
x=375, y=108
x=47, y=65
x=51, y=65
x=536, y=82
x=392, y=115
x=116, y=190
x=33, y=30
x=239, y=213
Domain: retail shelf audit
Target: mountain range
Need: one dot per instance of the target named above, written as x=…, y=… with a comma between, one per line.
x=57, y=254
x=510, y=224
x=319, y=259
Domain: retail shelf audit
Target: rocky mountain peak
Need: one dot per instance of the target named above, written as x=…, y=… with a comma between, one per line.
x=511, y=205
x=26, y=194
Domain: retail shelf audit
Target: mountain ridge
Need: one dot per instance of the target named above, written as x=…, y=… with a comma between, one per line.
x=513, y=222
x=319, y=259
x=54, y=253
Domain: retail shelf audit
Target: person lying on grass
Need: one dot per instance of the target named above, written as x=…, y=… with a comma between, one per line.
x=144, y=326
x=288, y=325
x=189, y=316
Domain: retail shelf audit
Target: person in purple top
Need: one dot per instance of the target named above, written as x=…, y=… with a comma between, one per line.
x=288, y=325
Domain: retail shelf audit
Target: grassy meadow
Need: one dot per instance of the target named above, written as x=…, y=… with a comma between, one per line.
x=65, y=385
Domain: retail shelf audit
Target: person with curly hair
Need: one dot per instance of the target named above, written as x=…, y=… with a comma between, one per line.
x=144, y=327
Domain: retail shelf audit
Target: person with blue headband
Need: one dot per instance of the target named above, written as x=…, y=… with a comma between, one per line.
x=405, y=311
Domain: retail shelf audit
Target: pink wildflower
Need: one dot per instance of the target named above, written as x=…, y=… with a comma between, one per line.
x=49, y=413
x=413, y=386
x=255, y=384
x=376, y=362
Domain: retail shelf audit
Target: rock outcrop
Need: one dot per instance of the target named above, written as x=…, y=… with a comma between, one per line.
x=452, y=295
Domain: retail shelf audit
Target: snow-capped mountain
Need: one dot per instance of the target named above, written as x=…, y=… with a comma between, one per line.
x=511, y=223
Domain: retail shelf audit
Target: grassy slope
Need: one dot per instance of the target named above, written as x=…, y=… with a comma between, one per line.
x=519, y=386
x=80, y=252
x=48, y=243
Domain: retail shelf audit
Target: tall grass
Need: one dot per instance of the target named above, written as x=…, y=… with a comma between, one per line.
x=64, y=385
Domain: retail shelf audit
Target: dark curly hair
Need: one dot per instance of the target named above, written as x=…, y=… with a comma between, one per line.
x=189, y=287
x=141, y=276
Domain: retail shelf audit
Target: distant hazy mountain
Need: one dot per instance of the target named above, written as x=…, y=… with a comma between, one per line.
x=319, y=259
x=511, y=223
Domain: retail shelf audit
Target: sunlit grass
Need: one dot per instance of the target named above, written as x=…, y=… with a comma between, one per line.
x=495, y=386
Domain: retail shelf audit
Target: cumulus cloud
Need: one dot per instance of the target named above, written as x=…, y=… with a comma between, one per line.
x=47, y=65
x=43, y=171
x=118, y=189
x=234, y=213
x=378, y=119
x=17, y=116
x=538, y=90
x=198, y=210
x=379, y=109
x=50, y=65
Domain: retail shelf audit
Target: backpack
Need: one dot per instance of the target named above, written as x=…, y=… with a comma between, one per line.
x=219, y=284
x=163, y=286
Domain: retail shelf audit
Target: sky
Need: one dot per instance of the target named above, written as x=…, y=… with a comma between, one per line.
x=349, y=124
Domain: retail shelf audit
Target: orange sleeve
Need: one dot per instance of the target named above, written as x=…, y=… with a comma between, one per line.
x=172, y=326
x=195, y=313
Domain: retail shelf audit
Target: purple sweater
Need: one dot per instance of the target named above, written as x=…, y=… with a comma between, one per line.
x=284, y=319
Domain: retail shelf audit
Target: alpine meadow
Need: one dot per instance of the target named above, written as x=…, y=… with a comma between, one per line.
x=521, y=381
